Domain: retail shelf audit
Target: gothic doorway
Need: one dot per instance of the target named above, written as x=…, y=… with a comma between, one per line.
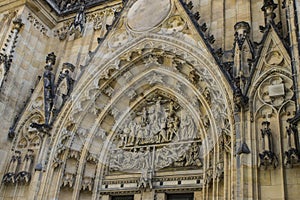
x=180, y=196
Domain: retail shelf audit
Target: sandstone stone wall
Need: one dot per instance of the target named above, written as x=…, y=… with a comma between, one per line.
x=43, y=32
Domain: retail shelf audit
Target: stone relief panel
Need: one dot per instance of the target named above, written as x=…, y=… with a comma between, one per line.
x=159, y=133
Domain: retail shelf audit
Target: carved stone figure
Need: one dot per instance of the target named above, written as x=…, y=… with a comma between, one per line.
x=219, y=171
x=49, y=86
x=267, y=157
x=194, y=77
x=68, y=180
x=162, y=135
x=131, y=131
x=146, y=179
x=79, y=21
x=64, y=86
x=25, y=173
x=159, y=111
x=266, y=137
x=208, y=177
x=292, y=155
x=10, y=176
x=188, y=128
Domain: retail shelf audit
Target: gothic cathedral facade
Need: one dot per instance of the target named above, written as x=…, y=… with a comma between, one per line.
x=149, y=99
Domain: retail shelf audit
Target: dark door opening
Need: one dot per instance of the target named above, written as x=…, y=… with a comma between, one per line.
x=180, y=196
x=128, y=197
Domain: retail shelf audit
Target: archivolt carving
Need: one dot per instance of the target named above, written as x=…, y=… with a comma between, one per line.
x=109, y=107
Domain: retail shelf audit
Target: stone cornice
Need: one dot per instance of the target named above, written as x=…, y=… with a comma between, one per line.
x=46, y=13
x=74, y=8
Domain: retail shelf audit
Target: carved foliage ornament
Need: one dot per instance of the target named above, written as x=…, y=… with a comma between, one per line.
x=55, y=94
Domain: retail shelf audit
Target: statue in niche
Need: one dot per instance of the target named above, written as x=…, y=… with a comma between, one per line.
x=79, y=21
x=10, y=176
x=292, y=154
x=267, y=157
x=291, y=137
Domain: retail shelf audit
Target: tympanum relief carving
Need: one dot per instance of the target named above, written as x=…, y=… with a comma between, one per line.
x=159, y=133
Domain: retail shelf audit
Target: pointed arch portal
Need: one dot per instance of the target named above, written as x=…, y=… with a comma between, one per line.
x=139, y=120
